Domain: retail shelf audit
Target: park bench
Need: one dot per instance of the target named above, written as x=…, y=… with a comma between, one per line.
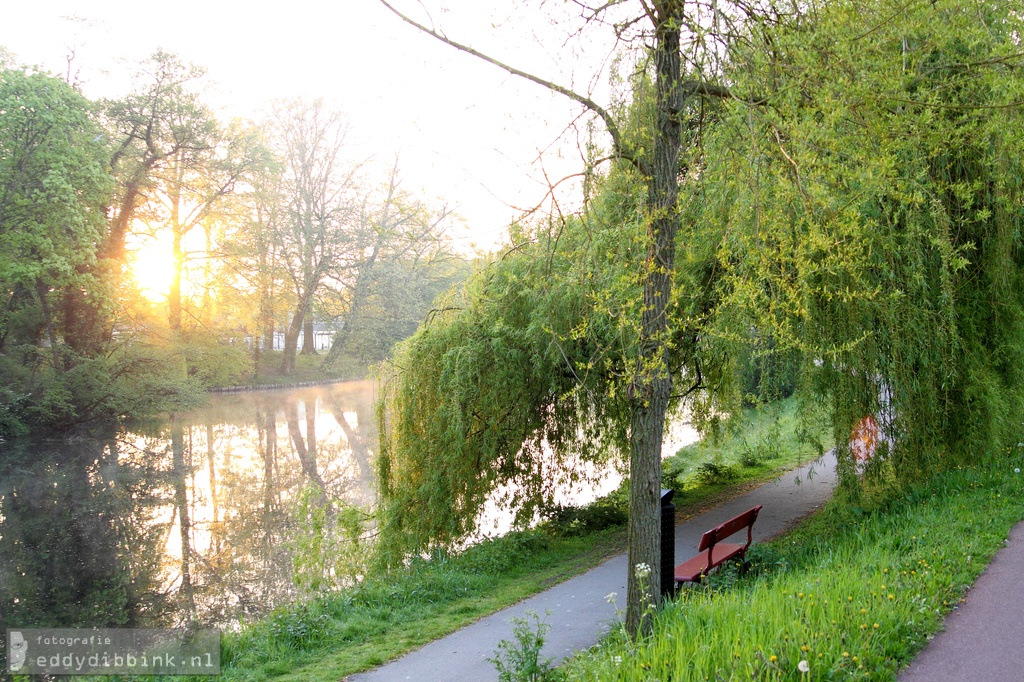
x=714, y=552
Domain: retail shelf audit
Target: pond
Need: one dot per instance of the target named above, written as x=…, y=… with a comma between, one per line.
x=214, y=516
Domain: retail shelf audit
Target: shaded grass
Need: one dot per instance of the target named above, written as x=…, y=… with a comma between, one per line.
x=854, y=593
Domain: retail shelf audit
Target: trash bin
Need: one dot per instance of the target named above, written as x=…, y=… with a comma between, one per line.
x=668, y=542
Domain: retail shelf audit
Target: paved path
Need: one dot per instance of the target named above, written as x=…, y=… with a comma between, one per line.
x=578, y=611
x=983, y=638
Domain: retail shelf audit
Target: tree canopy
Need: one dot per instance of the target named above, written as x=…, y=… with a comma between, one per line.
x=875, y=207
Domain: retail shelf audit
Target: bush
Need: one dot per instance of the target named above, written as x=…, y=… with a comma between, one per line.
x=606, y=512
x=712, y=472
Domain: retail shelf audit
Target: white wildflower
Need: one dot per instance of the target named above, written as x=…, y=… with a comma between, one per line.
x=803, y=666
x=612, y=596
x=643, y=570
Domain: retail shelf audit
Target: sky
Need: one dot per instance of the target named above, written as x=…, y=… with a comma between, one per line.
x=466, y=134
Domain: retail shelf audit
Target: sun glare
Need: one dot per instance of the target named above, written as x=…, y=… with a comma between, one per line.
x=152, y=267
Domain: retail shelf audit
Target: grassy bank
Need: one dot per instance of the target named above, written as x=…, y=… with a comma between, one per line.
x=752, y=448
x=855, y=592
x=308, y=369
x=383, y=617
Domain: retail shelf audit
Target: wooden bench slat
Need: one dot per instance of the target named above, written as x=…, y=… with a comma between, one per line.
x=733, y=525
x=714, y=553
x=690, y=570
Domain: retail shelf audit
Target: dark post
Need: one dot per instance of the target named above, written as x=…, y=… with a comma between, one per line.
x=668, y=542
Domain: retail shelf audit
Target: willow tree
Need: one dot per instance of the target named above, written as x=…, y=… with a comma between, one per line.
x=683, y=67
x=874, y=211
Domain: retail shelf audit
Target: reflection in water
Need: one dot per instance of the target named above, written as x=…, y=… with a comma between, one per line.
x=214, y=516
x=194, y=520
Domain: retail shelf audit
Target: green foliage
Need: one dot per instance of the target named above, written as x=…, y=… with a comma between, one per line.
x=53, y=190
x=713, y=473
x=399, y=294
x=212, y=362
x=134, y=379
x=520, y=661
x=524, y=374
x=872, y=217
x=607, y=512
x=328, y=545
x=752, y=443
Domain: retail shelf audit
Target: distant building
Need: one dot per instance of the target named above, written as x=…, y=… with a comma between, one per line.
x=322, y=337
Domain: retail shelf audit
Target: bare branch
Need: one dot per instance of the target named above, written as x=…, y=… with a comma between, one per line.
x=621, y=148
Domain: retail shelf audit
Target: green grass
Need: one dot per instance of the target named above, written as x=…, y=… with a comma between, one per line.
x=385, y=617
x=854, y=593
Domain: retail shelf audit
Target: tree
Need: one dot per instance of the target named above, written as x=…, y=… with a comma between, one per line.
x=874, y=214
x=649, y=380
x=318, y=193
x=251, y=249
x=400, y=240
x=52, y=190
x=176, y=163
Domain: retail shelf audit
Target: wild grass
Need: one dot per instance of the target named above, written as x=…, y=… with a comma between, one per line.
x=853, y=593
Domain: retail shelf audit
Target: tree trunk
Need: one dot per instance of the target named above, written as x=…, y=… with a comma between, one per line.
x=267, y=339
x=340, y=338
x=308, y=342
x=305, y=449
x=174, y=295
x=43, y=296
x=85, y=327
x=291, y=343
x=268, y=423
x=652, y=382
x=186, y=591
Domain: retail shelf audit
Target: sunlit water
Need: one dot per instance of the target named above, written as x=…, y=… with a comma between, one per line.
x=215, y=516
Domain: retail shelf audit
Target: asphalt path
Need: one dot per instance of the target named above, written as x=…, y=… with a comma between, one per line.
x=579, y=611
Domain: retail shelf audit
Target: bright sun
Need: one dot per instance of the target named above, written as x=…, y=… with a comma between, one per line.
x=153, y=267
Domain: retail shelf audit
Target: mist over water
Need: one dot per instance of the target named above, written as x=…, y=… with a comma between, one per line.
x=214, y=516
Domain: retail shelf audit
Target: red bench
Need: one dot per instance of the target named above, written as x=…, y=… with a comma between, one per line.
x=713, y=552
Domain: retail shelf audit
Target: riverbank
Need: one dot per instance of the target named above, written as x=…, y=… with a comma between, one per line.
x=337, y=633
x=309, y=371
